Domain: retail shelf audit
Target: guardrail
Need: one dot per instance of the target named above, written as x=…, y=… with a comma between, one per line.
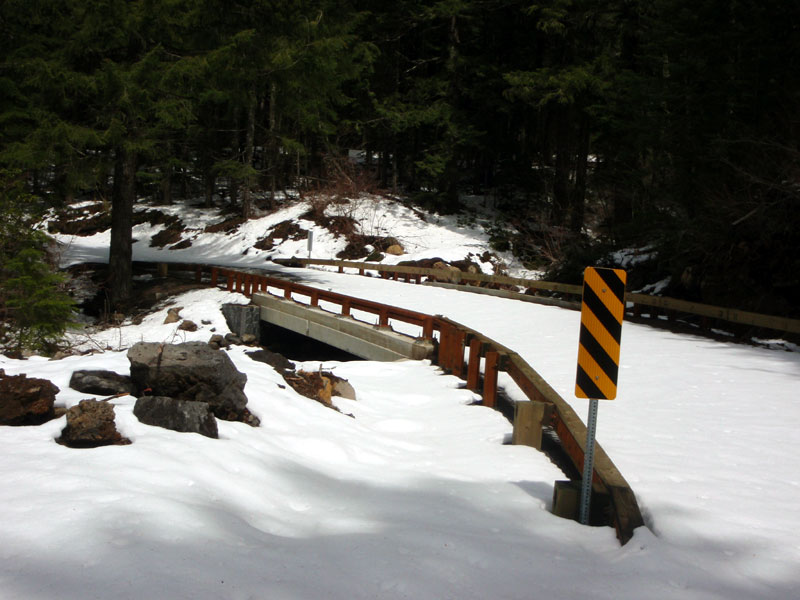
x=453, y=343
x=635, y=302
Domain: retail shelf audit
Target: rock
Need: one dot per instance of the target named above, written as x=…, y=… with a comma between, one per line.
x=26, y=401
x=249, y=339
x=232, y=338
x=189, y=371
x=342, y=388
x=216, y=341
x=277, y=361
x=173, y=315
x=375, y=256
x=395, y=250
x=102, y=383
x=91, y=424
x=177, y=415
x=187, y=325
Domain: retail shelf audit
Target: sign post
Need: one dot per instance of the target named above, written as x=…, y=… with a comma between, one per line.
x=602, y=311
x=310, y=242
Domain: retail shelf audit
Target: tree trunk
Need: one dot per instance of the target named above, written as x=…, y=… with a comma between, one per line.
x=249, y=147
x=578, y=197
x=272, y=149
x=561, y=177
x=166, y=185
x=121, y=250
x=210, y=184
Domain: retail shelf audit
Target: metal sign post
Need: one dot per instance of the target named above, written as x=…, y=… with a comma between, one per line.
x=588, y=462
x=602, y=311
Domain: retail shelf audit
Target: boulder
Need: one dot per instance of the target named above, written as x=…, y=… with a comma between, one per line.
x=189, y=371
x=395, y=250
x=216, y=341
x=187, y=325
x=26, y=401
x=91, y=424
x=342, y=387
x=173, y=315
x=102, y=383
x=177, y=415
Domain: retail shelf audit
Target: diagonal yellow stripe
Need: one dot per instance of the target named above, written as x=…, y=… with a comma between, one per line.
x=601, y=380
x=616, y=306
x=609, y=343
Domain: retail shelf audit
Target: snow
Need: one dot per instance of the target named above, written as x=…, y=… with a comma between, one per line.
x=416, y=495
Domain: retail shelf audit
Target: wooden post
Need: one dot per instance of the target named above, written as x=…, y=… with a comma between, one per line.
x=346, y=308
x=529, y=419
x=163, y=269
x=248, y=283
x=457, y=353
x=214, y=276
x=427, y=328
x=315, y=298
x=383, y=317
x=490, y=378
x=445, y=341
x=228, y=280
x=474, y=366
x=238, y=282
x=287, y=292
x=341, y=269
x=198, y=273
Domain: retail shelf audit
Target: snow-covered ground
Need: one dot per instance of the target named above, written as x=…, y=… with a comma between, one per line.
x=417, y=496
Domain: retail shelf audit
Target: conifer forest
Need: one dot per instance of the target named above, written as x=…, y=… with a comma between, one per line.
x=592, y=125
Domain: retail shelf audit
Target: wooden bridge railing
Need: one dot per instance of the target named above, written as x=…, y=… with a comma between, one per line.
x=637, y=303
x=454, y=342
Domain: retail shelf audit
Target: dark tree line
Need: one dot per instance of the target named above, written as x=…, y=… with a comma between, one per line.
x=672, y=122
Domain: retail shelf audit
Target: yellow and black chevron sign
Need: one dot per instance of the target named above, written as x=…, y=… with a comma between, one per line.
x=601, y=327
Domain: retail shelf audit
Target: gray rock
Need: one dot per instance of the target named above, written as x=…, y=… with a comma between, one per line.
x=189, y=371
x=102, y=383
x=177, y=415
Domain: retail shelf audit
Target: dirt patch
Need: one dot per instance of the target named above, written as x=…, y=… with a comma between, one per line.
x=285, y=230
x=170, y=235
x=86, y=220
x=227, y=226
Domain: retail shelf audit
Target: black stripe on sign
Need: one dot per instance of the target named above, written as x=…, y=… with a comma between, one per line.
x=583, y=381
x=593, y=302
x=599, y=354
x=614, y=283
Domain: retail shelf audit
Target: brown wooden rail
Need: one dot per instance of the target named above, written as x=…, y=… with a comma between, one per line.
x=454, y=341
x=635, y=301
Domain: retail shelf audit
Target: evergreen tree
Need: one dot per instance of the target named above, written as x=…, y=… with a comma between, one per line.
x=35, y=310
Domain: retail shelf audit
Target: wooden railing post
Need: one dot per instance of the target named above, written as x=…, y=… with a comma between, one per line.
x=427, y=328
x=474, y=365
x=490, y=370
x=214, y=276
x=248, y=284
x=457, y=353
x=228, y=280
